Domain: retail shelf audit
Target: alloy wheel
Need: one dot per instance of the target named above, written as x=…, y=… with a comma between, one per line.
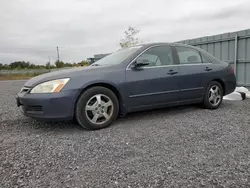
x=214, y=95
x=99, y=109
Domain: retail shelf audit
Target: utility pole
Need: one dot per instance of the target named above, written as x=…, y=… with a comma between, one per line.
x=49, y=64
x=58, y=56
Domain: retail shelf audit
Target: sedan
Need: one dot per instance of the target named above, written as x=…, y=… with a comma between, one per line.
x=138, y=78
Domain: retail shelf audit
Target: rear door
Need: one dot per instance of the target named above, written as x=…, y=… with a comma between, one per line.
x=194, y=72
x=156, y=83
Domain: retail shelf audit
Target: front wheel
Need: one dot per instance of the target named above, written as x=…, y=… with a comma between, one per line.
x=97, y=108
x=213, y=96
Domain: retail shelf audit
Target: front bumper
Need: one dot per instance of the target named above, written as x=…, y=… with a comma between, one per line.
x=49, y=106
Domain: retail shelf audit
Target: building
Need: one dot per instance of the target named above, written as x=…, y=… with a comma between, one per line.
x=96, y=58
x=99, y=56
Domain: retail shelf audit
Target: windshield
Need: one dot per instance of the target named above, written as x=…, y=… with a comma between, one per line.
x=116, y=57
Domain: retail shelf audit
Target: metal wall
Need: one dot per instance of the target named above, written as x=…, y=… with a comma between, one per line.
x=230, y=47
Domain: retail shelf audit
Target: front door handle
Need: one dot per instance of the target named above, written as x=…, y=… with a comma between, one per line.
x=171, y=72
x=208, y=69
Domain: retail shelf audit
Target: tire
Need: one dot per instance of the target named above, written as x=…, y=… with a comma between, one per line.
x=213, y=100
x=97, y=102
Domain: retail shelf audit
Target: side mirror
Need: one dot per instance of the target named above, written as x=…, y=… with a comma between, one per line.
x=141, y=63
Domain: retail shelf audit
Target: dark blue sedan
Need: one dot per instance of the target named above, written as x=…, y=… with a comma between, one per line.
x=133, y=79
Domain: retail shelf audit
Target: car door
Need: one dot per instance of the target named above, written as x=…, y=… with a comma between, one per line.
x=194, y=70
x=156, y=83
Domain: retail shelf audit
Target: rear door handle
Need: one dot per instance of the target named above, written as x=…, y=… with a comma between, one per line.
x=171, y=72
x=208, y=69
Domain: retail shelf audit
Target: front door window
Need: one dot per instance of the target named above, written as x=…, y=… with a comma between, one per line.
x=158, y=56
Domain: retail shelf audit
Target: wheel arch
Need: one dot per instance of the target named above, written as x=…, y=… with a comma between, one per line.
x=109, y=86
x=222, y=83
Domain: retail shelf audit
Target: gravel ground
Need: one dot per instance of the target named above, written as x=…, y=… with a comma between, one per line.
x=176, y=147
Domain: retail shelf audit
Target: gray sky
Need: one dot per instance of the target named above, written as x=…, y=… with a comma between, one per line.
x=30, y=30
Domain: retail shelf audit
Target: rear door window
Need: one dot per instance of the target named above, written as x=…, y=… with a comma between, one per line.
x=204, y=59
x=188, y=55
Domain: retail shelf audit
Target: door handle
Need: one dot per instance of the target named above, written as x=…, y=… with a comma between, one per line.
x=208, y=69
x=171, y=72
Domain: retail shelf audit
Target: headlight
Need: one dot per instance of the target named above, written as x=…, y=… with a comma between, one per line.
x=52, y=86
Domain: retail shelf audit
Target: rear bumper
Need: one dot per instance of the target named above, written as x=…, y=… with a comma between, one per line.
x=230, y=84
x=54, y=106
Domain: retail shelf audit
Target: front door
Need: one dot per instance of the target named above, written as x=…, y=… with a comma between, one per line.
x=153, y=84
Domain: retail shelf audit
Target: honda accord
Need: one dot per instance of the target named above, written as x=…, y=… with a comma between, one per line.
x=137, y=78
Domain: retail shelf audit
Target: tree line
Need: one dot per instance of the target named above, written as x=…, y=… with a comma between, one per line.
x=19, y=65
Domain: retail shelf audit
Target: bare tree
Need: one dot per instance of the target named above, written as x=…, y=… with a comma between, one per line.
x=130, y=38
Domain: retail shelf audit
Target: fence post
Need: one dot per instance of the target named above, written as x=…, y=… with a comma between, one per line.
x=235, y=54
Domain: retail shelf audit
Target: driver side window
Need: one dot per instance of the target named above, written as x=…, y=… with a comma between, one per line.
x=157, y=56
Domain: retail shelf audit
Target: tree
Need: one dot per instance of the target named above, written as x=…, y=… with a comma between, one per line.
x=130, y=38
x=19, y=64
x=59, y=64
x=52, y=66
x=47, y=66
x=6, y=67
x=83, y=63
x=32, y=66
x=68, y=65
x=74, y=65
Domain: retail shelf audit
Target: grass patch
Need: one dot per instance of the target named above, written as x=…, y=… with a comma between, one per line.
x=14, y=77
x=18, y=76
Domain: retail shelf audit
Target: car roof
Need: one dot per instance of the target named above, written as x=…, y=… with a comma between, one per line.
x=170, y=44
x=164, y=43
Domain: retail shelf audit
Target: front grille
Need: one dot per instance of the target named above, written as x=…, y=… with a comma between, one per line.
x=34, y=109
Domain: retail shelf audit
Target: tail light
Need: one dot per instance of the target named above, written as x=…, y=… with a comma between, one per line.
x=233, y=70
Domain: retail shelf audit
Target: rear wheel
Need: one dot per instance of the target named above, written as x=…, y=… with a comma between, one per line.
x=97, y=108
x=213, y=96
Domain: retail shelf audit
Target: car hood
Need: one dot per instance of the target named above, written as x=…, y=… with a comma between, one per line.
x=66, y=73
